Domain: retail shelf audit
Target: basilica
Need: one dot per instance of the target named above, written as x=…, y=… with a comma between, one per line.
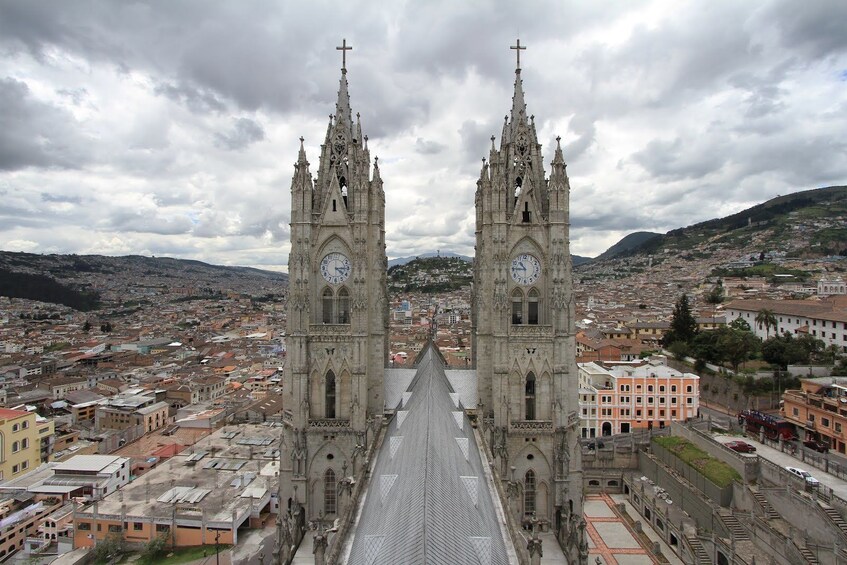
x=430, y=465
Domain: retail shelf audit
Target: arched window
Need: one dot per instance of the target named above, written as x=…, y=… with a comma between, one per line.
x=326, y=302
x=529, y=396
x=330, y=395
x=15, y=447
x=529, y=493
x=532, y=307
x=517, y=306
x=343, y=306
x=330, y=500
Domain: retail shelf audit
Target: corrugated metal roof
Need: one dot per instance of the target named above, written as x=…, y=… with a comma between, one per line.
x=428, y=500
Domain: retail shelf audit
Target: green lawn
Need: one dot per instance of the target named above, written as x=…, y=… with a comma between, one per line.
x=182, y=555
x=713, y=469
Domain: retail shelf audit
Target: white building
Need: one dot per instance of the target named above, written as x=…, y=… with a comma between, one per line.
x=823, y=319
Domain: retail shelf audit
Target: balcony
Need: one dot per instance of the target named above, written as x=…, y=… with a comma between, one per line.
x=329, y=424
x=329, y=329
x=531, y=426
x=530, y=332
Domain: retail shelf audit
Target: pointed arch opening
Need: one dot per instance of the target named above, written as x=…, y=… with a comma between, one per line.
x=529, y=396
x=517, y=307
x=329, y=395
x=326, y=305
x=343, y=306
x=330, y=496
x=533, y=307
x=529, y=493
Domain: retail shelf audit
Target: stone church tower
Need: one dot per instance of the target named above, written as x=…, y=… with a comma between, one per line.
x=337, y=319
x=524, y=346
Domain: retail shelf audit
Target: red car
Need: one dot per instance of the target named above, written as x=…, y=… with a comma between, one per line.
x=740, y=446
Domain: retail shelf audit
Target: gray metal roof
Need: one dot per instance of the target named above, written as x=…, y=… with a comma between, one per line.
x=428, y=501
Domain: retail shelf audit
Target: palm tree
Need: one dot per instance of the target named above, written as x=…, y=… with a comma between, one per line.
x=767, y=319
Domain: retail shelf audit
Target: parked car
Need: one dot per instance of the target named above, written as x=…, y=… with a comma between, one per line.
x=740, y=446
x=805, y=475
x=816, y=445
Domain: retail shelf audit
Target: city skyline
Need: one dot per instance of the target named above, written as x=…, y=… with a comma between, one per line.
x=129, y=129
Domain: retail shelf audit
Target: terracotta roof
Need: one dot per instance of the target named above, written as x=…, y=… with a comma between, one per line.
x=9, y=414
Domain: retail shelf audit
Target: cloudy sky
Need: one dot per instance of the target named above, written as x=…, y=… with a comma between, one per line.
x=171, y=127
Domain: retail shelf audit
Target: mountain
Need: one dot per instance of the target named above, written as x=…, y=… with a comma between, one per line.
x=85, y=282
x=404, y=260
x=577, y=260
x=787, y=238
x=811, y=223
x=629, y=243
x=431, y=275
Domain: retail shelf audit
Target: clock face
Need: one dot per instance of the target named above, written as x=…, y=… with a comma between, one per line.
x=525, y=269
x=335, y=268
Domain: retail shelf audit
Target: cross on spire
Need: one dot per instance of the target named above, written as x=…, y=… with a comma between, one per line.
x=518, y=48
x=345, y=48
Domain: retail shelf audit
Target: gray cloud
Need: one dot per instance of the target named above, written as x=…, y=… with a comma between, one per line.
x=172, y=128
x=46, y=197
x=428, y=147
x=244, y=132
x=33, y=133
x=197, y=100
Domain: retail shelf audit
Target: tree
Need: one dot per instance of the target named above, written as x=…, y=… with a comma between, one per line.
x=740, y=324
x=784, y=350
x=683, y=323
x=679, y=350
x=109, y=548
x=737, y=345
x=767, y=319
x=814, y=348
x=155, y=548
x=716, y=295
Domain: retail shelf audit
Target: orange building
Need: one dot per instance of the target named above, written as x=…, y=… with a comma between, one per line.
x=819, y=410
x=621, y=397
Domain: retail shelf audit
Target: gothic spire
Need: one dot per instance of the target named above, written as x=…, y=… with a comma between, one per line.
x=343, y=117
x=518, y=104
x=518, y=114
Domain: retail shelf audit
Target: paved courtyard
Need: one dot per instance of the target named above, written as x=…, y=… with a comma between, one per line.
x=610, y=538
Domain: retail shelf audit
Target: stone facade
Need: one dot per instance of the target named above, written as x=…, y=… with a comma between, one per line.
x=524, y=333
x=337, y=318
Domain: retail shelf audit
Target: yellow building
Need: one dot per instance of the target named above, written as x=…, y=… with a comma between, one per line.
x=20, y=442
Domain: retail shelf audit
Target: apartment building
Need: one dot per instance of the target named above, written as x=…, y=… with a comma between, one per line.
x=21, y=436
x=824, y=319
x=130, y=410
x=819, y=410
x=623, y=397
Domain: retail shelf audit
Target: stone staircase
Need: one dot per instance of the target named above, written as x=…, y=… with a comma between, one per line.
x=835, y=517
x=770, y=513
x=738, y=531
x=808, y=555
x=701, y=556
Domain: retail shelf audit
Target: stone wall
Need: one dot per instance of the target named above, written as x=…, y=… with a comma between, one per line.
x=681, y=492
x=747, y=467
x=720, y=495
